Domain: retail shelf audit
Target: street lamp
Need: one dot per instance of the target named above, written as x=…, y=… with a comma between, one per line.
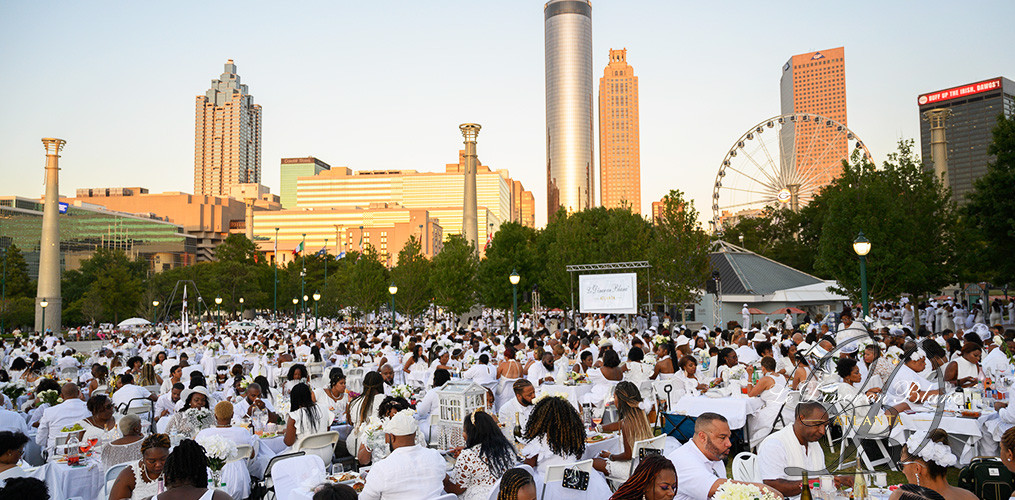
x=317, y=297
x=44, y=304
x=514, y=294
x=392, y=290
x=274, y=295
x=862, y=246
x=304, y=309
x=218, y=310
x=3, y=293
x=241, y=308
x=155, y=315
x=295, y=301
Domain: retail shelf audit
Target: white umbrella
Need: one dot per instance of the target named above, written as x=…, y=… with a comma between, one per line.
x=133, y=322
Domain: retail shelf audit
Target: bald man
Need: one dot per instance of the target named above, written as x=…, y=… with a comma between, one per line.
x=71, y=411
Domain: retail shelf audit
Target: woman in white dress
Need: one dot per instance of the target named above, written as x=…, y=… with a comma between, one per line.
x=333, y=397
x=186, y=421
x=771, y=388
x=306, y=417
x=486, y=457
x=965, y=370
x=666, y=367
x=686, y=379
x=12, y=446
x=141, y=479
x=637, y=370
x=555, y=435
x=633, y=426
x=101, y=426
x=361, y=409
x=415, y=367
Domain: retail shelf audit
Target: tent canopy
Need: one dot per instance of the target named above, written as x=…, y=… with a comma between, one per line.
x=133, y=322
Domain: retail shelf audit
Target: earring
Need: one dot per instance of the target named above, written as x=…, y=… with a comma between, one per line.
x=918, y=479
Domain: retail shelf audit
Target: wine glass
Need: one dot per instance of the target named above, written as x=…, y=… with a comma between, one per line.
x=597, y=417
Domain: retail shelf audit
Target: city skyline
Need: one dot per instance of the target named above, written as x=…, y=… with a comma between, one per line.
x=706, y=74
x=619, y=158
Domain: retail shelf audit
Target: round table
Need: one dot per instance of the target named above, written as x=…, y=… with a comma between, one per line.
x=573, y=392
x=64, y=481
x=965, y=431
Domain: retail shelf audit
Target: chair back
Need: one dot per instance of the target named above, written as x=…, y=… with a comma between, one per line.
x=111, y=473
x=242, y=451
x=289, y=474
x=448, y=496
x=745, y=468
x=274, y=460
x=154, y=389
x=139, y=406
x=321, y=444
x=435, y=431
x=656, y=444
x=597, y=487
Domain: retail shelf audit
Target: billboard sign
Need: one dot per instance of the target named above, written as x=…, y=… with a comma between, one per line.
x=63, y=207
x=963, y=91
x=608, y=293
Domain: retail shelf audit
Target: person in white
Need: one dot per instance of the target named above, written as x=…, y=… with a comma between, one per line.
x=68, y=361
x=796, y=446
x=909, y=390
x=165, y=406
x=699, y=463
x=410, y=472
x=128, y=394
x=771, y=388
x=515, y=412
x=234, y=474
x=745, y=314
x=64, y=414
x=483, y=373
x=13, y=422
x=543, y=370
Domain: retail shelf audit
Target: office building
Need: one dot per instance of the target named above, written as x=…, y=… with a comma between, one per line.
x=972, y=112
x=227, y=136
x=570, y=161
x=814, y=83
x=293, y=168
x=85, y=228
x=619, y=150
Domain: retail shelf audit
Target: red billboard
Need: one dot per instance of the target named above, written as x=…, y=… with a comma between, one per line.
x=963, y=91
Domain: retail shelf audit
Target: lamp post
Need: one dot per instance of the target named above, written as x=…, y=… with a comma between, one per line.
x=218, y=311
x=317, y=297
x=274, y=295
x=392, y=290
x=3, y=293
x=304, y=310
x=514, y=294
x=861, y=245
x=155, y=314
x=303, y=278
x=44, y=304
x=241, y=308
x=295, y=301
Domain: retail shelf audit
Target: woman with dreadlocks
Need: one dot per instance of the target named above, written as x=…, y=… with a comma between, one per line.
x=634, y=427
x=667, y=356
x=654, y=479
x=517, y=484
x=555, y=434
x=487, y=455
x=187, y=475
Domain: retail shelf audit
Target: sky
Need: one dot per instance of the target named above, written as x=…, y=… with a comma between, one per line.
x=384, y=85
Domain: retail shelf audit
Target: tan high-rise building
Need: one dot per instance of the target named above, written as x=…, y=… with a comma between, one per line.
x=227, y=136
x=815, y=83
x=619, y=150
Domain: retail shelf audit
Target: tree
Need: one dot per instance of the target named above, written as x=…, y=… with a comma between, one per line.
x=679, y=252
x=18, y=284
x=236, y=248
x=991, y=207
x=453, y=277
x=114, y=282
x=412, y=277
x=511, y=249
x=365, y=281
x=906, y=214
x=781, y=235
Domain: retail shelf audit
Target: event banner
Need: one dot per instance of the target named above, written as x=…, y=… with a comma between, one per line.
x=608, y=293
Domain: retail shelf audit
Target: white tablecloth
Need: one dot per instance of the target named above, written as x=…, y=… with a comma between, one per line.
x=66, y=482
x=573, y=392
x=965, y=431
x=735, y=409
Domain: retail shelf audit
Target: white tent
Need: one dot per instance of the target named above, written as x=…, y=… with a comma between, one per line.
x=127, y=323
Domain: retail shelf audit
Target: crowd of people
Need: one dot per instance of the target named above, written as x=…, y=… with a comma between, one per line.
x=383, y=385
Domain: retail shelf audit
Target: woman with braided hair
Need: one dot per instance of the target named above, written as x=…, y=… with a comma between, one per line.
x=141, y=479
x=187, y=475
x=654, y=479
x=633, y=426
x=555, y=434
x=667, y=356
x=517, y=484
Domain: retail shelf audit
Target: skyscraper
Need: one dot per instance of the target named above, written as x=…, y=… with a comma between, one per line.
x=619, y=150
x=815, y=83
x=293, y=168
x=570, y=164
x=972, y=112
x=227, y=136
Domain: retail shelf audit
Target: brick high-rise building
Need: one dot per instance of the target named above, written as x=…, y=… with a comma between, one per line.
x=227, y=136
x=619, y=153
x=815, y=83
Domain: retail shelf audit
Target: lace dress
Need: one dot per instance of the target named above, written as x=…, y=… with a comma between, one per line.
x=142, y=488
x=472, y=473
x=113, y=454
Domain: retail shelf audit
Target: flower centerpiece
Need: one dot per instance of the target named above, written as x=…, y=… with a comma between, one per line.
x=574, y=377
x=219, y=451
x=50, y=397
x=742, y=491
x=199, y=418
x=402, y=391
x=14, y=389
x=659, y=340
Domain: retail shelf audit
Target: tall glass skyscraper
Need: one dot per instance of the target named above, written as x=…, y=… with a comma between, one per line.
x=227, y=136
x=570, y=167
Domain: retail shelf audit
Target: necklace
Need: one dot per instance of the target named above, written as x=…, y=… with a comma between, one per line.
x=146, y=475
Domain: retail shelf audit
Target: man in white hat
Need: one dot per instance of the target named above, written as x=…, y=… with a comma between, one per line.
x=410, y=472
x=745, y=313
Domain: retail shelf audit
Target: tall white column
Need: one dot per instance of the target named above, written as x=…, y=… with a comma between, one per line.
x=470, y=211
x=49, y=247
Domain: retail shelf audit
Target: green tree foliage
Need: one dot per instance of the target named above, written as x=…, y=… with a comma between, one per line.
x=18, y=312
x=991, y=207
x=596, y=235
x=107, y=287
x=511, y=249
x=18, y=283
x=781, y=235
x=453, y=277
x=905, y=213
x=412, y=277
x=365, y=281
x=678, y=252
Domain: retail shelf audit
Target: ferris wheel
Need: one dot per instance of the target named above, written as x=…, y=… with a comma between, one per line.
x=782, y=162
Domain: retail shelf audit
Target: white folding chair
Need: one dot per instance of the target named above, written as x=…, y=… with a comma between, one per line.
x=289, y=474
x=555, y=474
x=321, y=444
x=242, y=451
x=111, y=473
x=266, y=481
x=745, y=468
x=656, y=444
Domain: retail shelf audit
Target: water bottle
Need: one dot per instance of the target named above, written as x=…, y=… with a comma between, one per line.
x=73, y=445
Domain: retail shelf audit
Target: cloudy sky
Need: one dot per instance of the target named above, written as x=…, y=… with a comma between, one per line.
x=374, y=85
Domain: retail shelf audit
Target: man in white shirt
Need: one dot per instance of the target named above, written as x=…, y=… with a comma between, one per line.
x=482, y=373
x=515, y=412
x=252, y=402
x=67, y=361
x=388, y=377
x=165, y=406
x=128, y=394
x=64, y=414
x=13, y=422
x=542, y=371
x=410, y=472
x=796, y=447
x=996, y=361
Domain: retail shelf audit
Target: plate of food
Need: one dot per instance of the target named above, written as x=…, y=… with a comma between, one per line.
x=970, y=414
x=268, y=435
x=595, y=438
x=345, y=478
